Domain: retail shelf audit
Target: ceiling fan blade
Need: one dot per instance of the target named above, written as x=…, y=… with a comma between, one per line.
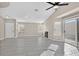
x=56, y=3
x=63, y=4
x=49, y=7
x=50, y=3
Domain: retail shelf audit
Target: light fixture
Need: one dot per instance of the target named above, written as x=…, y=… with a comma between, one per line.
x=36, y=10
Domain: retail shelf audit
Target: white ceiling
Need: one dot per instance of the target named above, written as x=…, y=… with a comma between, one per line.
x=25, y=11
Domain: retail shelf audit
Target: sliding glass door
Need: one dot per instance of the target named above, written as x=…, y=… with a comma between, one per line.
x=70, y=31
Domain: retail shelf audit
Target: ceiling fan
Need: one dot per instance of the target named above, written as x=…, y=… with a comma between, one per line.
x=56, y=4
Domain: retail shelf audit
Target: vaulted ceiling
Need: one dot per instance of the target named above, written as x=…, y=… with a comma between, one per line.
x=27, y=11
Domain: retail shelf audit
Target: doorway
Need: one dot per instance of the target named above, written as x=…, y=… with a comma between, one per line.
x=10, y=28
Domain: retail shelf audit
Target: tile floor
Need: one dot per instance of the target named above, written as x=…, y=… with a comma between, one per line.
x=51, y=50
x=28, y=46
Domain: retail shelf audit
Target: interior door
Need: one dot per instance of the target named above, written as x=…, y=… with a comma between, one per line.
x=70, y=31
x=9, y=29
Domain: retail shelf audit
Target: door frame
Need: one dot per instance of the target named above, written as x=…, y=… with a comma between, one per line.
x=14, y=21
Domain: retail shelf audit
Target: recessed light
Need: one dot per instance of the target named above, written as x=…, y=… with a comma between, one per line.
x=36, y=10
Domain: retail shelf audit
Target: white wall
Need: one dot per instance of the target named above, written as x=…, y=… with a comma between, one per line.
x=29, y=29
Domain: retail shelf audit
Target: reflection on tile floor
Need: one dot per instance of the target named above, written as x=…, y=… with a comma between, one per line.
x=28, y=46
x=50, y=51
x=53, y=47
x=70, y=50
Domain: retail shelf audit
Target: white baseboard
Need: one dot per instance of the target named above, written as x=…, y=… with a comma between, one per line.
x=28, y=35
x=54, y=39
